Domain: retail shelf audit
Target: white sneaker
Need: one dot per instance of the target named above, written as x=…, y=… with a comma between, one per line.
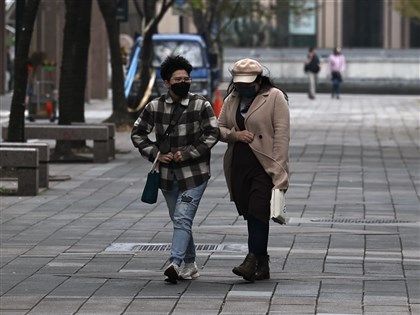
x=172, y=273
x=189, y=272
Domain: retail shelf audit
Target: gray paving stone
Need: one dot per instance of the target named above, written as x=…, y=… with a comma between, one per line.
x=304, y=265
x=287, y=288
x=245, y=307
x=160, y=289
x=352, y=269
x=119, y=288
x=207, y=306
x=199, y=290
x=19, y=302
x=54, y=306
x=387, y=309
x=342, y=286
x=380, y=301
x=36, y=284
x=77, y=288
x=151, y=306
x=25, y=265
x=384, y=287
x=302, y=309
x=338, y=309
x=104, y=306
x=295, y=301
x=104, y=264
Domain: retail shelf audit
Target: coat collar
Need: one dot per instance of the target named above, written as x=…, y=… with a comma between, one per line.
x=259, y=100
x=185, y=101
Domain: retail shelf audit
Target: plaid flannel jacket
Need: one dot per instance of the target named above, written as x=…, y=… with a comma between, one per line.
x=196, y=132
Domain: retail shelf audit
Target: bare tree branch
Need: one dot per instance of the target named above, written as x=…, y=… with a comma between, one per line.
x=153, y=23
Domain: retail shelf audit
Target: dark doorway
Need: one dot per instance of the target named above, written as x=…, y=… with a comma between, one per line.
x=362, y=23
x=414, y=33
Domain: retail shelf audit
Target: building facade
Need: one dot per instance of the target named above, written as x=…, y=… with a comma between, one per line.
x=328, y=23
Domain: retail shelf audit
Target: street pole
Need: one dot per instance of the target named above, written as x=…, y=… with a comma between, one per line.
x=181, y=24
x=19, y=16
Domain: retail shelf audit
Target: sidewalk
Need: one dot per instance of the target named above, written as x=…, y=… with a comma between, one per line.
x=351, y=244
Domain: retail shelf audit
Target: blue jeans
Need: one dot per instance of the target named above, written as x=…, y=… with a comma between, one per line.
x=182, y=207
x=336, y=87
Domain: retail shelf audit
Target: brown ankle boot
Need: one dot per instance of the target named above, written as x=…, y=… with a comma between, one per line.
x=263, y=269
x=247, y=269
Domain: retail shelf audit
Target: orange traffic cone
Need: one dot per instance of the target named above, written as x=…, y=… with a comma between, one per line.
x=217, y=103
x=49, y=106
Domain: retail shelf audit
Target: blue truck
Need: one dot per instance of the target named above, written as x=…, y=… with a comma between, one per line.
x=205, y=74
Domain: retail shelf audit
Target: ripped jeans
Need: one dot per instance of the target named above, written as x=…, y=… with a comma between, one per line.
x=182, y=207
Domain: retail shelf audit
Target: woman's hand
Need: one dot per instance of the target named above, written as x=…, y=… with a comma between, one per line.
x=166, y=158
x=178, y=156
x=244, y=136
x=169, y=157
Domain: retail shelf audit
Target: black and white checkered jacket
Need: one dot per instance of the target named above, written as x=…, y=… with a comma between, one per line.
x=196, y=132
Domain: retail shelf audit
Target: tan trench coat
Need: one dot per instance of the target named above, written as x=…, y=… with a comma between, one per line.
x=269, y=119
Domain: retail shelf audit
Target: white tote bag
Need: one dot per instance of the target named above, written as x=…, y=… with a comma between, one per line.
x=278, y=206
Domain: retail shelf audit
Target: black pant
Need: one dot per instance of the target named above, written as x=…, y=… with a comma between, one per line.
x=257, y=236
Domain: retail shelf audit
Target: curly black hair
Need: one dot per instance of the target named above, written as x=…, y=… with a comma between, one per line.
x=172, y=64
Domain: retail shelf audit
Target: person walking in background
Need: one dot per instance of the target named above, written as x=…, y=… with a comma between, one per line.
x=9, y=68
x=255, y=123
x=184, y=164
x=336, y=67
x=312, y=67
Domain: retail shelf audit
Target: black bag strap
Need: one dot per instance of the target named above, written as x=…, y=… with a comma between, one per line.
x=176, y=114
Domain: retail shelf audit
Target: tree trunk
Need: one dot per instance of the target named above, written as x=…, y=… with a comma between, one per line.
x=147, y=48
x=74, y=64
x=145, y=65
x=67, y=73
x=16, y=130
x=119, y=116
x=81, y=57
x=76, y=41
x=152, y=21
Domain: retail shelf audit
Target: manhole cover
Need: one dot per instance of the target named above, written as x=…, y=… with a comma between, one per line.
x=159, y=247
x=360, y=221
x=167, y=247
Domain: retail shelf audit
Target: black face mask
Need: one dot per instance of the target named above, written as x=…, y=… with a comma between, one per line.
x=180, y=89
x=248, y=92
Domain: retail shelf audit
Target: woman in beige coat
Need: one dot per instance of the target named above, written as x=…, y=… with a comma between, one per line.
x=255, y=123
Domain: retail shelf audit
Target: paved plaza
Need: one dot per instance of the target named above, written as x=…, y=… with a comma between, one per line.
x=88, y=245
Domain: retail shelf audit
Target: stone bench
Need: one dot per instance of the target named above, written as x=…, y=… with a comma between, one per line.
x=111, y=135
x=26, y=163
x=44, y=157
x=98, y=133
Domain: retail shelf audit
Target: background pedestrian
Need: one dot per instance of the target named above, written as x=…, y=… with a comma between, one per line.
x=9, y=68
x=336, y=67
x=312, y=67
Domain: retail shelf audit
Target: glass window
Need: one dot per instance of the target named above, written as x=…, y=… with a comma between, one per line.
x=189, y=50
x=302, y=23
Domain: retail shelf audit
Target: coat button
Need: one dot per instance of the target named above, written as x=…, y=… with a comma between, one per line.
x=260, y=136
